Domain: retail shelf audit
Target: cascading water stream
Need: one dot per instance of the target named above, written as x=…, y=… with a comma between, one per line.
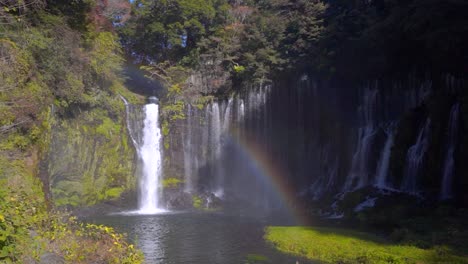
x=189, y=158
x=129, y=127
x=415, y=158
x=227, y=116
x=360, y=174
x=452, y=138
x=216, y=147
x=150, y=153
x=384, y=163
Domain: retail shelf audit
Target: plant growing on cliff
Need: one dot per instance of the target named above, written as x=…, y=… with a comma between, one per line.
x=172, y=182
x=55, y=64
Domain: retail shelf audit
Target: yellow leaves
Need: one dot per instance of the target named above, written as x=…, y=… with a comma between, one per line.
x=2, y=218
x=239, y=68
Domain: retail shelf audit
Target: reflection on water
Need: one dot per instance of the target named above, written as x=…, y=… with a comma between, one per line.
x=178, y=238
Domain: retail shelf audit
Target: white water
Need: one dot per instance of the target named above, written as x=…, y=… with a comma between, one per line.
x=207, y=132
x=414, y=159
x=452, y=136
x=216, y=129
x=382, y=169
x=189, y=158
x=129, y=127
x=360, y=174
x=227, y=116
x=240, y=111
x=368, y=203
x=150, y=152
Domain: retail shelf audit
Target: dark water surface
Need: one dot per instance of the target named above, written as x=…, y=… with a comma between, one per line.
x=195, y=237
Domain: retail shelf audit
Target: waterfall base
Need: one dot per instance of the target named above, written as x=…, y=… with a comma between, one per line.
x=144, y=212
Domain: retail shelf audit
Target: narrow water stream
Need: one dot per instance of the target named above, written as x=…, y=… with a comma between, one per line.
x=191, y=237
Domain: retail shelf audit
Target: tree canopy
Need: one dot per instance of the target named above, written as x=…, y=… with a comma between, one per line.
x=255, y=39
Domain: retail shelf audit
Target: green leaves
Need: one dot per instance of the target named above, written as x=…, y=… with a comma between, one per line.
x=169, y=30
x=105, y=55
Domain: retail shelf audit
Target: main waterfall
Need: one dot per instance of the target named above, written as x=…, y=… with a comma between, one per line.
x=145, y=133
x=150, y=151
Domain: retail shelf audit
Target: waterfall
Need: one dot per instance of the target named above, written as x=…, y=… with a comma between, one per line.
x=452, y=138
x=189, y=158
x=360, y=173
x=216, y=129
x=206, y=140
x=240, y=111
x=384, y=161
x=310, y=131
x=415, y=158
x=131, y=133
x=227, y=116
x=150, y=152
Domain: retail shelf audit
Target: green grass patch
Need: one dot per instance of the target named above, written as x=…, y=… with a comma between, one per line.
x=346, y=246
x=114, y=193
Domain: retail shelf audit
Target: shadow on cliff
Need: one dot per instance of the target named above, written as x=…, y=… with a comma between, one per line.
x=137, y=82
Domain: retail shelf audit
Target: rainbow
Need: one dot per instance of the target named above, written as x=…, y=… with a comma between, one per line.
x=272, y=172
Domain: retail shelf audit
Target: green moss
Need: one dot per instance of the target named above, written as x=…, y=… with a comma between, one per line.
x=239, y=69
x=165, y=128
x=202, y=101
x=70, y=187
x=15, y=141
x=172, y=182
x=197, y=202
x=114, y=193
x=119, y=89
x=165, y=131
x=174, y=90
x=93, y=150
x=174, y=111
x=346, y=246
x=108, y=128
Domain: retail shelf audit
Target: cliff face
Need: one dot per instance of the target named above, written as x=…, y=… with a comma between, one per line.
x=324, y=138
x=90, y=158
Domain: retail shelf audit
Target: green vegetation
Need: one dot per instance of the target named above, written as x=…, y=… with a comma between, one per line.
x=28, y=230
x=174, y=111
x=169, y=30
x=89, y=158
x=59, y=84
x=252, y=41
x=172, y=182
x=407, y=221
x=345, y=246
x=197, y=202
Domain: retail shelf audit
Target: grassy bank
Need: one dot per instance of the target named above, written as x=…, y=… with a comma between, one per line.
x=32, y=233
x=345, y=246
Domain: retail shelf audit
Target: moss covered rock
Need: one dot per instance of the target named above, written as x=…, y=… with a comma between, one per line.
x=90, y=158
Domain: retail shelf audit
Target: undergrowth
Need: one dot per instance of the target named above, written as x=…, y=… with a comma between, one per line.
x=332, y=245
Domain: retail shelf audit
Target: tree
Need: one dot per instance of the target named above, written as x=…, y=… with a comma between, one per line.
x=168, y=30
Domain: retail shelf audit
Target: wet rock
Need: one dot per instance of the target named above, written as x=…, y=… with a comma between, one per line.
x=178, y=199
